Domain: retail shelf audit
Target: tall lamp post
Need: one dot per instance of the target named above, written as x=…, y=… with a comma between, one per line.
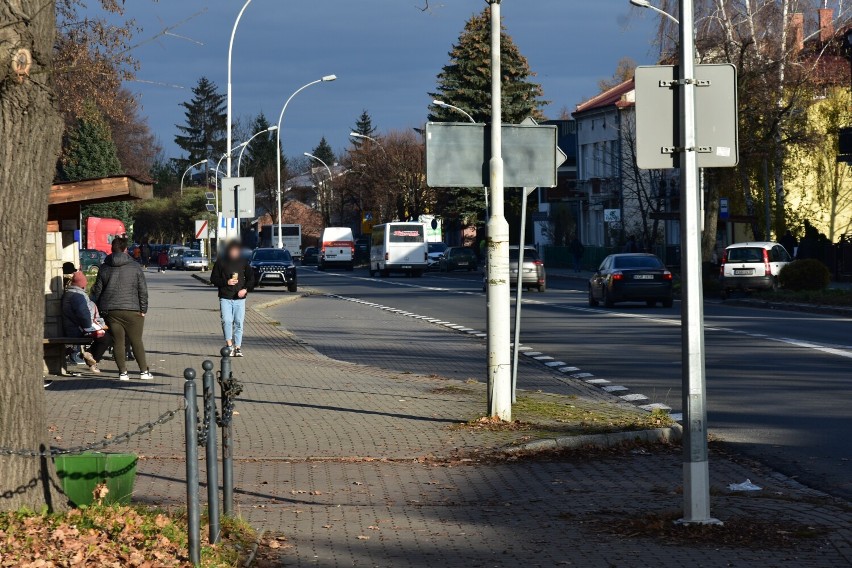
x=328, y=169
x=245, y=145
x=696, y=471
x=325, y=79
x=189, y=169
x=229, y=150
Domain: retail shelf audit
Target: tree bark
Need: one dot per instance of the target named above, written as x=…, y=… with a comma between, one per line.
x=30, y=132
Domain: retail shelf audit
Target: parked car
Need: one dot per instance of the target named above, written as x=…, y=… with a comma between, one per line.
x=752, y=266
x=91, y=260
x=434, y=251
x=459, y=258
x=310, y=256
x=274, y=267
x=534, y=275
x=338, y=248
x=192, y=260
x=634, y=277
x=175, y=251
x=362, y=248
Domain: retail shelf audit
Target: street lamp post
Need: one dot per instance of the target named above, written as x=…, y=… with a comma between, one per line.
x=325, y=79
x=189, y=169
x=646, y=4
x=443, y=104
x=229, y=150
x=328, y=169
x=245, y=145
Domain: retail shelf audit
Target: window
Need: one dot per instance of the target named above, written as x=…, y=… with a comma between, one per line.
x=271, y=255
x=637, y=262
x=529, y=254
x=745, y=254
x=406, y=234
x=290, y=231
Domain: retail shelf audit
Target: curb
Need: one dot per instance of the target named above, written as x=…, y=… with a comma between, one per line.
x=671, y=434
x=791, y=306
x=202, y=279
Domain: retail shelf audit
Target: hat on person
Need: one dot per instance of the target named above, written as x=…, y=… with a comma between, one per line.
x=78, y=279
x=68, y=268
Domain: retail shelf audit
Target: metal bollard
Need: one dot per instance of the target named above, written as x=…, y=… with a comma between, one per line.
x=227, y=440
x=208, y=384
x=193, y=508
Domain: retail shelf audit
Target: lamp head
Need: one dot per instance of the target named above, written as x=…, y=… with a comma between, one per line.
x=641, y=3
x=272, y=128
x=436, y=102
x=328, y=78
x=308, y=154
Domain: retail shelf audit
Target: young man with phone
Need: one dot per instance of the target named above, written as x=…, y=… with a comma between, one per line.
x=234, y=277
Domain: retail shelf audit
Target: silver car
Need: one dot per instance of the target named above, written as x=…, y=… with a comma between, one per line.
x=191, y=260
x=534, y=275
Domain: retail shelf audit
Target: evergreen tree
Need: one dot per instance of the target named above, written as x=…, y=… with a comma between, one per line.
x=91, y=153
x=363, y=126
x=466, y=80
x=260, y=163
x=204, y=134
x=324, y=152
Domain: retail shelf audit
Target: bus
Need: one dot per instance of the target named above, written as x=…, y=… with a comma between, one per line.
x=399, y=247
x=291, y=237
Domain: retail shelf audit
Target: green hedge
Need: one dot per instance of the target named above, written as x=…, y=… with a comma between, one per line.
x=806, y=274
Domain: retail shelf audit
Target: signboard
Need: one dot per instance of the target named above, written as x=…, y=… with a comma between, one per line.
x=238, y=188
x=227, y=228
x=612, y=215
x=658, y=116
x=202, y=230
x=457, y=155
x=724, y=211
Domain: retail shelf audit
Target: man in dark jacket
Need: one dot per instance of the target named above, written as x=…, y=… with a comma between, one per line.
x=234, y=277
x=121, y=294
x=80, y=318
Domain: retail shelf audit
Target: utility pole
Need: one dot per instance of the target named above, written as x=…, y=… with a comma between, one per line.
x=696, y=472
x=499, y=363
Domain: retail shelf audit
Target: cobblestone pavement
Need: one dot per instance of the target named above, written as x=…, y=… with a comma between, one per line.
x=332, y=455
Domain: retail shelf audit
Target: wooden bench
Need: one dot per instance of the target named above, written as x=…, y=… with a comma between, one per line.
x=54, y=353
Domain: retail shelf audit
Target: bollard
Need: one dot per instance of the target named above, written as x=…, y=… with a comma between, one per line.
x=212, y=453
x=193, y=508
x=227, y=439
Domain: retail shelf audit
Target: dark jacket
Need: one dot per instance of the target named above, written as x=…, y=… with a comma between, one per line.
x=120, y=285
x=222, y=272
x=77, y=312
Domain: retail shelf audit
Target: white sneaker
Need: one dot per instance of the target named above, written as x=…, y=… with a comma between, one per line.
x=146, y=376
x=123, y=377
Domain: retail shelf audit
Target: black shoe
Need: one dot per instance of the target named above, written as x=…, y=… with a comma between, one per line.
x=238, y=352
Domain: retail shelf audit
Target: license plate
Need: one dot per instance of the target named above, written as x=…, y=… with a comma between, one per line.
x=462, y=264
x=743, y=272
x=644, y=277
x=406, y=266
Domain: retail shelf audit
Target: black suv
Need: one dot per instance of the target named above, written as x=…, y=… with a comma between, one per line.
x=273, y=267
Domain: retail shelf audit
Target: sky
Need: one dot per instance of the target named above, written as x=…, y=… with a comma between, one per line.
x=386, y=54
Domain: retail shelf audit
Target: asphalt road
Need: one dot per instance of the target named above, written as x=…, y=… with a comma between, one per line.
x=778, y=382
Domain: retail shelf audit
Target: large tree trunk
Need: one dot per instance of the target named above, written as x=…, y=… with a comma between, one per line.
x=30, y=131
x=711, y=215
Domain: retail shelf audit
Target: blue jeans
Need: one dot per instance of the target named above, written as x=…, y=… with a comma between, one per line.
x=233, y=313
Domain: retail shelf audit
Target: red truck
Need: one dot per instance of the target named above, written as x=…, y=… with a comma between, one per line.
x=100, y=233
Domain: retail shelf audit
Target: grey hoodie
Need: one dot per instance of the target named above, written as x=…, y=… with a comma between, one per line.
x=120, y=285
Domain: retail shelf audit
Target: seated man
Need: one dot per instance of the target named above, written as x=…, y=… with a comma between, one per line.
x=80, y=318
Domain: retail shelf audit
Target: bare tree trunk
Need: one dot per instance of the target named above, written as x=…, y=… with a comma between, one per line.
x=30, y=130
x=711, y=216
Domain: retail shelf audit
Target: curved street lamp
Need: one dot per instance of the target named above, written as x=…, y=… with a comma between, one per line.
x=311, y=156
x=189, y=169
x=245, y=145
x=230, y=150
x=442, y=104
x=325, y=79
x=646, y=4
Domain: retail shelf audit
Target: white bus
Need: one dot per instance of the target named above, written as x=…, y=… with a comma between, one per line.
x=291, y=237
x=399, y=247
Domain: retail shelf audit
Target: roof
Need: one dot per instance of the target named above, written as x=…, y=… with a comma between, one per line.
x=100, y=190
x=612, y=97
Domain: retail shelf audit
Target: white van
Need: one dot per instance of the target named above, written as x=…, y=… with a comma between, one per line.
x=337, y=248
x=399, y=247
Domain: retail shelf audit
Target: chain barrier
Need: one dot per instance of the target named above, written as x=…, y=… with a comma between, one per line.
x=125, y=437
x=204, y=423
x=231, y=389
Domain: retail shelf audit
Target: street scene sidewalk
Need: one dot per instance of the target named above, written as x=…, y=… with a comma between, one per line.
x=361, y=466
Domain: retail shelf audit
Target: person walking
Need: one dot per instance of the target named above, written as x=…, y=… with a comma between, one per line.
x=121, y=294
x=146, y=254
x=576, y=248
x=162, y=260
x=80, y=318
x=233, y=276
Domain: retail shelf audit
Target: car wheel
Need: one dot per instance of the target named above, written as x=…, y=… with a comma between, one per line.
x=350, y=268
x=541, y=288
x=651, y=303
x=668, y=302
x=775, y=284
x=292, y=288
x=607, y=301
x=592, y=302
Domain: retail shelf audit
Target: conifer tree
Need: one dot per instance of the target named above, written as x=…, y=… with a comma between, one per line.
x=204, y=134
x=324, y=152
x=364, y=127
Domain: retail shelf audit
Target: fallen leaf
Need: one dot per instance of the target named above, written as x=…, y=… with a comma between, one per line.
x=363, y=537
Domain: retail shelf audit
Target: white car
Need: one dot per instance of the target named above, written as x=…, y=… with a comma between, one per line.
x=752, y=266
x=192, y=260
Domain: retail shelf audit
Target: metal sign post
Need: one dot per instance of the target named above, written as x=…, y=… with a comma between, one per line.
x=516, y=343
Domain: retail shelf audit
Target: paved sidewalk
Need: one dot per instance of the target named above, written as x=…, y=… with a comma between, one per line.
x=359, y=466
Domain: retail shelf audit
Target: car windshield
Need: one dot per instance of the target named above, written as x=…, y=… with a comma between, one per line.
x=637, y=262
x=437, y=247
x=529, y=254
x=192, y=253
x=745, y=254
x=271, y=255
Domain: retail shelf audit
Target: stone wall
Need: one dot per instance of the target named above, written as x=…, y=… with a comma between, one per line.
x=60, y=248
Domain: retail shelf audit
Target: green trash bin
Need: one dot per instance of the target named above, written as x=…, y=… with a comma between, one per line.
x=80, y=474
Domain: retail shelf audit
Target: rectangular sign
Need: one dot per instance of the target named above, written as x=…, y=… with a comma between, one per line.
x=202, y=230
x=458, y=154
x=658, y=116
x=724, y=211
x=244, y=192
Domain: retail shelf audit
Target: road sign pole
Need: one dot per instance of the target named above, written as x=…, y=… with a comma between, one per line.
x=499, y=365
x=516, y=343
x=237, y=207
x=696, y=474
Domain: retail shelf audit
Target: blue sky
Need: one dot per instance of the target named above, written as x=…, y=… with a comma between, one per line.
x=386, y=54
